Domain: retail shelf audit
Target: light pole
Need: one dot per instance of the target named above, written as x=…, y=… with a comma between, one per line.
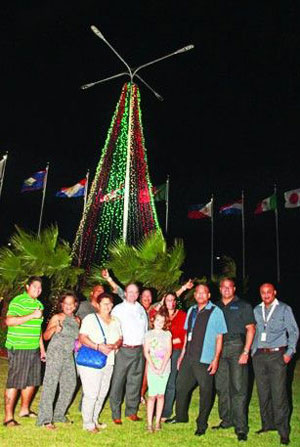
x=131, y=72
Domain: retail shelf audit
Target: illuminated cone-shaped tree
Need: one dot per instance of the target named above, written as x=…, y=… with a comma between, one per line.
x=103, y=218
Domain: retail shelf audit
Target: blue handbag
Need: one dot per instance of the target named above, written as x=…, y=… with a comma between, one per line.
x=91, y=357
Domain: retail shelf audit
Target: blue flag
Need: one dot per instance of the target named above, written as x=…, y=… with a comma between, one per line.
x=35, y=182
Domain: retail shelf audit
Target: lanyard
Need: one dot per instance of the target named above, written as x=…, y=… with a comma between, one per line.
x=266, y=320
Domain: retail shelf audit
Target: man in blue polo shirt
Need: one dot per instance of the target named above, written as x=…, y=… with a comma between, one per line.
x=205, y=325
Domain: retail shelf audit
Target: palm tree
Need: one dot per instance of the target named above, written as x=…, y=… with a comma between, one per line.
x=45, y=256
x=151, y=263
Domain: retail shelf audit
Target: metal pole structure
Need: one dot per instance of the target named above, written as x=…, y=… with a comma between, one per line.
x=86, y=187
x=243, y=237
x=167, y=202
x=277, y=237
x=131, y=72
x=43, y=199
x=2, y=171
x=212, y=238
x=127, y=175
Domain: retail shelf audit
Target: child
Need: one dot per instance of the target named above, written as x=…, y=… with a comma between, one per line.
x=157, y=350
x=63, y=330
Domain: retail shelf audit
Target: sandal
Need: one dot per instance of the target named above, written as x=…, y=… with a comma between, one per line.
x=150, y=429
x=31, y=414
x=11, y=423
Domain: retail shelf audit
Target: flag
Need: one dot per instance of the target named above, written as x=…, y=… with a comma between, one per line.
x=160, y=192
x=35, y=182
x=292, y=198
x=268, y=204
x=73, y=191
x=232, y=208
x=113, y=195
x=200, y=211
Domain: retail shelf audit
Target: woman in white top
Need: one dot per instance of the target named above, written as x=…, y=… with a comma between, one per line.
x=96, y=382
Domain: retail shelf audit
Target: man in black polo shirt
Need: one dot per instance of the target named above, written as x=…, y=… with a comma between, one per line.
x=232, y=376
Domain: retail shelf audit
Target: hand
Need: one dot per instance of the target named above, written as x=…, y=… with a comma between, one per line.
x=175, y=341
x=287, y=359
x=58, y=327
x=189, y=284
x=37, y=313
x=105, y=349
x=243, y=360
x=43, y=355
x=212, y=369
x=105, y=274
x=179, y=361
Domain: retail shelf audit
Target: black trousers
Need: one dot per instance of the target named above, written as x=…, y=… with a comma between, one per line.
x=232, y=387
x=193, y=373
x=270, y=376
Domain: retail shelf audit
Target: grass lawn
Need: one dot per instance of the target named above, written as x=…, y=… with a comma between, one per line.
x=133, y=434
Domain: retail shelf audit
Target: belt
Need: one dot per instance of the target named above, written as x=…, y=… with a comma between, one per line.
x=131, y=346
x=269, y=350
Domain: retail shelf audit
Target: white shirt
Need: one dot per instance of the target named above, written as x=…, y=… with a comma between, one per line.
x=112, y=331
x=134, y=322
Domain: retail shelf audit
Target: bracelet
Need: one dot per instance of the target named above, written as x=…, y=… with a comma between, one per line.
x=108, y=278
x=246, y=352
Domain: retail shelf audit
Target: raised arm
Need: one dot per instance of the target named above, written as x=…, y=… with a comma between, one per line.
x=114, y=286
x=187, y=286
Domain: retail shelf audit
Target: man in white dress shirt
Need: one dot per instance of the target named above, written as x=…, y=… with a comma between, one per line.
x=129, y=363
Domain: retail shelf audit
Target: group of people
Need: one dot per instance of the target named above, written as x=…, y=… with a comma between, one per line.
x=156, y=346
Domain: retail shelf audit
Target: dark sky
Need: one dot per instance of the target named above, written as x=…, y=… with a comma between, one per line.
x=229, y=121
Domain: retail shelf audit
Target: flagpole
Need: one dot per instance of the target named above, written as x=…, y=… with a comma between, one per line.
x=167, y=202
x=4, y=159
x=277, y=236
x=243, y=237
x=127, y=176
x=212, y=239
x=86, y=187
x=43, y=199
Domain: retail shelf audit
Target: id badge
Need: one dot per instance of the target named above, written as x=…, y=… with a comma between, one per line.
x=263, y=336
x=189, y=336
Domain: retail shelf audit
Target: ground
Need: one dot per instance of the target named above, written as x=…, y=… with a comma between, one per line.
x=134, y=433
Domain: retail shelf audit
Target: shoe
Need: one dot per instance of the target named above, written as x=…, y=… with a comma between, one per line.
x=242, y=436
x=134, y=418
x=171, y=421
x=199, y=432
x=264, y=430
x=285, y=440
x=221, y=426
x=118, y=421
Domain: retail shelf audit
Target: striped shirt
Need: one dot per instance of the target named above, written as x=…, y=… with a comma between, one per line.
x=26, y=335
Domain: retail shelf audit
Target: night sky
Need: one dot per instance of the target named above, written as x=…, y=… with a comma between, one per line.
x=229, y=121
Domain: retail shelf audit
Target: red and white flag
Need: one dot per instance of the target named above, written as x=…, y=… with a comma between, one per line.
x=292, y=198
